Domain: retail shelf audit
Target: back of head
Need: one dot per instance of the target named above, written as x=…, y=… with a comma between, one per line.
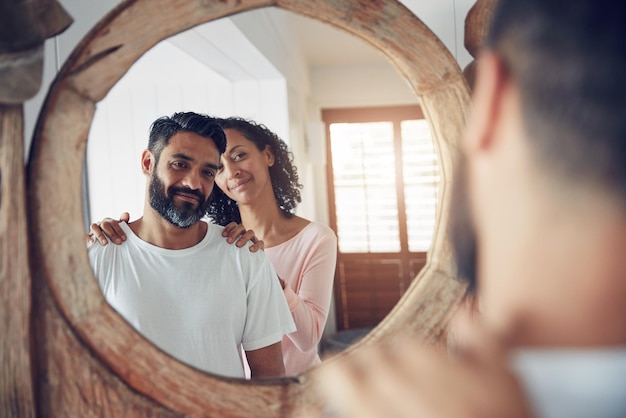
x=568, y=59
x=165, y=127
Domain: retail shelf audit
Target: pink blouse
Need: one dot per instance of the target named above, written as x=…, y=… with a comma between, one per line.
x=307, y=265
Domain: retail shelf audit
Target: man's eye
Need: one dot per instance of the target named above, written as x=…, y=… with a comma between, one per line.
x=209, y=173
x=179, y=164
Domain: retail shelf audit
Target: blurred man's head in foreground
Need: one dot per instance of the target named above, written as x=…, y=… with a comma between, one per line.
x=540, y=192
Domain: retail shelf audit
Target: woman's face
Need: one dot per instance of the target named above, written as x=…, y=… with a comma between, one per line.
x=244, y=172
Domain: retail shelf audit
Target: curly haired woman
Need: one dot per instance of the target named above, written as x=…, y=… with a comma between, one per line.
x=258, y=187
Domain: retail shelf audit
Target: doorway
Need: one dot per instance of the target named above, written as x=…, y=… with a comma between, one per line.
x=383, y=175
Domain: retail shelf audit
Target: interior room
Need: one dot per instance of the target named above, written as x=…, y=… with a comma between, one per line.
x=332, y=97
x=461, y=227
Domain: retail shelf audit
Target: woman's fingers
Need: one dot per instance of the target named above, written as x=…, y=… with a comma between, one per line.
x=232, y=231
x=257, y=244
x=237, y=233
x=112, y=229
x=96, y=233
x=109, y=228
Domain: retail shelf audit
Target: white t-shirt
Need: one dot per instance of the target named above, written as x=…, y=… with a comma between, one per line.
x=199, y=304
x=570, y=383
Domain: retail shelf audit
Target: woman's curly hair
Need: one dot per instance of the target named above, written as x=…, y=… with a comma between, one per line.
x=283, y=174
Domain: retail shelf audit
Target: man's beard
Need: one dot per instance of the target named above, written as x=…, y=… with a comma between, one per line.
x=461, y=231
x=183, y=215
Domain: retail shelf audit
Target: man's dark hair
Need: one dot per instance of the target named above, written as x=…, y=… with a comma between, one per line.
x=568, y=59
x=165, y=127
x=283, y=173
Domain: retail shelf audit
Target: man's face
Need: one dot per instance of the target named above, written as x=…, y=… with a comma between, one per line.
x=183, y=179
x=492, y=232
x=462, y=231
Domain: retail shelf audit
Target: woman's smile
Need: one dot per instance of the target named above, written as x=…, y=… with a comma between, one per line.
x=239, y=185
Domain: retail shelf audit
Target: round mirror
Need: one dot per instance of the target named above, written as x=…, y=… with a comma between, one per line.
x=105, y=54
x=292, y=73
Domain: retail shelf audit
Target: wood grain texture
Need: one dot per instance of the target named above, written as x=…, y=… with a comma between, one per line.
x=24, y=26
x=71, y=382
x=90, y=360
x=477, y=24
x=16, y=391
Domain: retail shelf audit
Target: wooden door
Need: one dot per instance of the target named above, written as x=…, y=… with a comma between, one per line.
x=383, y=177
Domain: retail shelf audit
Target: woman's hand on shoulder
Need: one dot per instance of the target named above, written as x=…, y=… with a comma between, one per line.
x=237, y=234
x=109, y=228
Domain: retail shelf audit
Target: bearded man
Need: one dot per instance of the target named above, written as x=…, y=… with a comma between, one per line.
x=176, y=280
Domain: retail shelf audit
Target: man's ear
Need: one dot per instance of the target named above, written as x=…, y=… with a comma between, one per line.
x=492, y=79
x=148, y=162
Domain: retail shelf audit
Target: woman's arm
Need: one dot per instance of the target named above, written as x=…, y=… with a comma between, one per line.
x=309, y=307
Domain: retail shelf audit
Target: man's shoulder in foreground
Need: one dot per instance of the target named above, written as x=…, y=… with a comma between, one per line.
x=573, y=383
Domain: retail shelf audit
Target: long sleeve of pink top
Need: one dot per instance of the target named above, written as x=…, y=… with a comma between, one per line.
x=307, y=265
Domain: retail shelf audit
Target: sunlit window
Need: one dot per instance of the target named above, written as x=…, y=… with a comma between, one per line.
x=421, y=178
x=367, y=185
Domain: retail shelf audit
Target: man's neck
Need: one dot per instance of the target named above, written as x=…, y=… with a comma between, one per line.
x=578, y=270
x=155, y=230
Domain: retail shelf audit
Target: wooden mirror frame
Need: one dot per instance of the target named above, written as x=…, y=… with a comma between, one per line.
x=96, y=344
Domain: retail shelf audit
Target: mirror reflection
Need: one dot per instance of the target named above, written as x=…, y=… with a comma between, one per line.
x=356, y=137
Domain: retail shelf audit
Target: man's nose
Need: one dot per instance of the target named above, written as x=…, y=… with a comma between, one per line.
x=193, y=180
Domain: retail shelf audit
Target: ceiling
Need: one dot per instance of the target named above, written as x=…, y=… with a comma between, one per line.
x=323, y=45
x=240, y=47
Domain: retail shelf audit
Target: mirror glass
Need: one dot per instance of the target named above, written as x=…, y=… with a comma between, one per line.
x=270, y=65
